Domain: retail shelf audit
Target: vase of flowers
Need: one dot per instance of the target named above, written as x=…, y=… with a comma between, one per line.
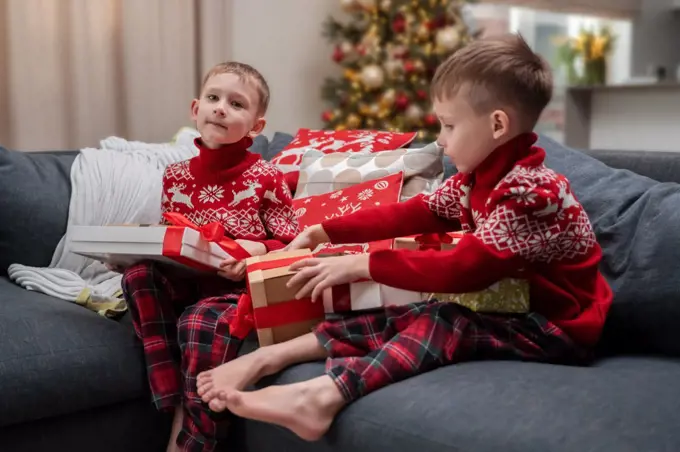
x=586, y=55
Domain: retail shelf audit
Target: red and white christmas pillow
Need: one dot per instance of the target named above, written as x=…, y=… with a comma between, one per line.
x=316, y=209
x=328, y=141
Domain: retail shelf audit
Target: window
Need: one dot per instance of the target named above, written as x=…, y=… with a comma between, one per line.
x=540, y=29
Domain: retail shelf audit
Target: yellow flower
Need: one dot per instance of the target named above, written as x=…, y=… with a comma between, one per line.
x=597, y=49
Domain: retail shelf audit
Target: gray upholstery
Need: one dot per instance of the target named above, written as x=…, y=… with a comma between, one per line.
x=636, y=221
x=57, y=357
x=34, y=198
x=618, y=405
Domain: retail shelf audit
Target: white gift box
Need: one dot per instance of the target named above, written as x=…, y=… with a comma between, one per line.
x=127, y=245
x=365, y=295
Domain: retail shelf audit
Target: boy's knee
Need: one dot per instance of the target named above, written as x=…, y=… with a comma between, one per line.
x=192, y=318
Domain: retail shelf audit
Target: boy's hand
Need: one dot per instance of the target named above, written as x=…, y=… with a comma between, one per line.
x=254, y=248
x=232, y=269
x=316, y=275
x=310, y=238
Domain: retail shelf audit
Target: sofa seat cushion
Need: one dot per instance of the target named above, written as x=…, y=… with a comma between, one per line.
x=57, y=357
x=619, y=404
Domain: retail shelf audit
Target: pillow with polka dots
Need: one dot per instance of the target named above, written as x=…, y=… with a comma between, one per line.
x=327, y=141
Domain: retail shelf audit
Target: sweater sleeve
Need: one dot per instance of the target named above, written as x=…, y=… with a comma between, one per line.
x=523, y=226
x=419, y=215
x=278, y=215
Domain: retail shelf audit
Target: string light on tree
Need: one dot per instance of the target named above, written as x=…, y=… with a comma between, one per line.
x=388, y=51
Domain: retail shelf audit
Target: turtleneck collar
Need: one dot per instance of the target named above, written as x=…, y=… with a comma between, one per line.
x=503, y=159
x=224, y=157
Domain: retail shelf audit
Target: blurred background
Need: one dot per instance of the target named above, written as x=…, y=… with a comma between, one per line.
x=73, y=72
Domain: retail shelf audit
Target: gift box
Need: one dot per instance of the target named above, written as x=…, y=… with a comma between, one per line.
x=366, y=295
x=507, y=296
x=270, y=306
x=439, y=242
x=181, y=243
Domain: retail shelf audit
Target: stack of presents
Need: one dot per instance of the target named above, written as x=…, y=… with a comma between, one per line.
x=331, y=174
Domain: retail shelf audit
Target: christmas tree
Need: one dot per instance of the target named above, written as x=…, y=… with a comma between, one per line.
x=389, y=50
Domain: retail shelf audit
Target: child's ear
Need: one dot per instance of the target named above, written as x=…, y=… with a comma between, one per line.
x=194, y=109
x=500, y=124
x=258, y=127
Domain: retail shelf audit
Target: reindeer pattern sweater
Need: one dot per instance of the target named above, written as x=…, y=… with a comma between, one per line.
x=522, y=221
x=236, y=188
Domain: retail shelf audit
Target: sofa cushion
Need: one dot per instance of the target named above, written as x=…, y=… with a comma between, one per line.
x=34, y=203
x=58, y=357
x=618, y=404
x=636, y=222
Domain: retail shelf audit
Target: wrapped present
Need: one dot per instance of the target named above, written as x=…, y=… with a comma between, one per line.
x=507, y=296
x=440, y=242
x=366, y=295
x=181, y=243
x=270, y=307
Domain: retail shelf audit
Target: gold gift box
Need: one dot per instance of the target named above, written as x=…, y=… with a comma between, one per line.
x=507, y=296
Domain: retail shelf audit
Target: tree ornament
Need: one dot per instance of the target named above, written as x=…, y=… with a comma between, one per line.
x=414, y=113
x=353, y=121
x=327, y=116
x=423, y=33
x=393, y=67
x=372, y=76
x=399, y=24
x=338, y=55
x=388, y=98
x=422, y=94
x=401, y=102
x=430, y=119
x=367, y=4
x=448, y=38
x=409, y=66
x=385, y=5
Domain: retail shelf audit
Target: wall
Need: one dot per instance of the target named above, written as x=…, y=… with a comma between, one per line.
x=656, y=35
x=287, y=46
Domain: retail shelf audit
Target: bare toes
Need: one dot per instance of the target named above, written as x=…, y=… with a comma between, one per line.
x=204, y=388
x=217, y=405
x=205, y=376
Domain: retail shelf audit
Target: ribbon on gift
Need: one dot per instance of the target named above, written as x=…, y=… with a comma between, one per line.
x=433, y=241
x=284, y=313
x=212, y=232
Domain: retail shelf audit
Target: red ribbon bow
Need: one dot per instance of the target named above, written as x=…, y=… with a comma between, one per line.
x=212, y=232
x=244, y=321
x=433, y=241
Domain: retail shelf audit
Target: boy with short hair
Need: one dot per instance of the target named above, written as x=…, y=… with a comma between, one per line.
x=181, y=316
x=522, y=221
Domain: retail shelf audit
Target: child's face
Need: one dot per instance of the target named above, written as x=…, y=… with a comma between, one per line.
x=467, y=136
x=227, y=110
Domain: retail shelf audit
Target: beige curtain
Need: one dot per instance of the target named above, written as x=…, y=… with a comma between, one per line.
x=75, y=71
x=608, y=8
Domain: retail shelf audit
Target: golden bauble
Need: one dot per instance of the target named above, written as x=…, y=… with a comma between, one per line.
x=364, y=109
x=448, y=38
x=388, y=97
x=374, y=110
x=372, y=76
x=353, y=121
x=423, y=33
x=366, y=4
x=350, y=74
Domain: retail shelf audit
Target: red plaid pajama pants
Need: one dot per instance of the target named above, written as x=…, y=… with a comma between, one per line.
x=367, y=352
x=182, y=321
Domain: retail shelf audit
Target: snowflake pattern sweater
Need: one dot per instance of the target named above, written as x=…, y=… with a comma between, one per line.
x=236, y=188
x=522, y=221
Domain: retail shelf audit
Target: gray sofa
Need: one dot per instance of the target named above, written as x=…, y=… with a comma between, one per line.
x=72, y=380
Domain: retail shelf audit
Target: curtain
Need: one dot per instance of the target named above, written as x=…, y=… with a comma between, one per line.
x=75, y=71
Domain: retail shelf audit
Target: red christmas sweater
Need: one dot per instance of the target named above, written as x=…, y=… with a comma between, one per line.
x=522, y=221
x=236, y=188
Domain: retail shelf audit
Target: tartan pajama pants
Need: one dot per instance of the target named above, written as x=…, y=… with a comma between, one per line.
x=370, y=351
x=182, y=321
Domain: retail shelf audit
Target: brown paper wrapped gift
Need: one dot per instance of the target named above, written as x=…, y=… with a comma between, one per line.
x=270, y=307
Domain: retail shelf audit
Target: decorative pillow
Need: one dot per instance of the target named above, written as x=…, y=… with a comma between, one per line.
x=321, y=173
x=34, y=201
x=327, y=141
x=315, y=209
x=636, y=222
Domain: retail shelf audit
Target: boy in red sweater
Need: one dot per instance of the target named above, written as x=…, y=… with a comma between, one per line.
x=182, y=316
x=522, y=221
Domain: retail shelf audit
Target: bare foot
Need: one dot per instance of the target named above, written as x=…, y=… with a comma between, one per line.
x=177, y=420
x=307, y=408
x=237, y=374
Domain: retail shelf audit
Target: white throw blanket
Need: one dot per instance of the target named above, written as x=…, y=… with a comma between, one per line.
x=119, y=183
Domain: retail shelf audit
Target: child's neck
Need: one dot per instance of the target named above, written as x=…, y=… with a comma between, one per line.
x=222, y=157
